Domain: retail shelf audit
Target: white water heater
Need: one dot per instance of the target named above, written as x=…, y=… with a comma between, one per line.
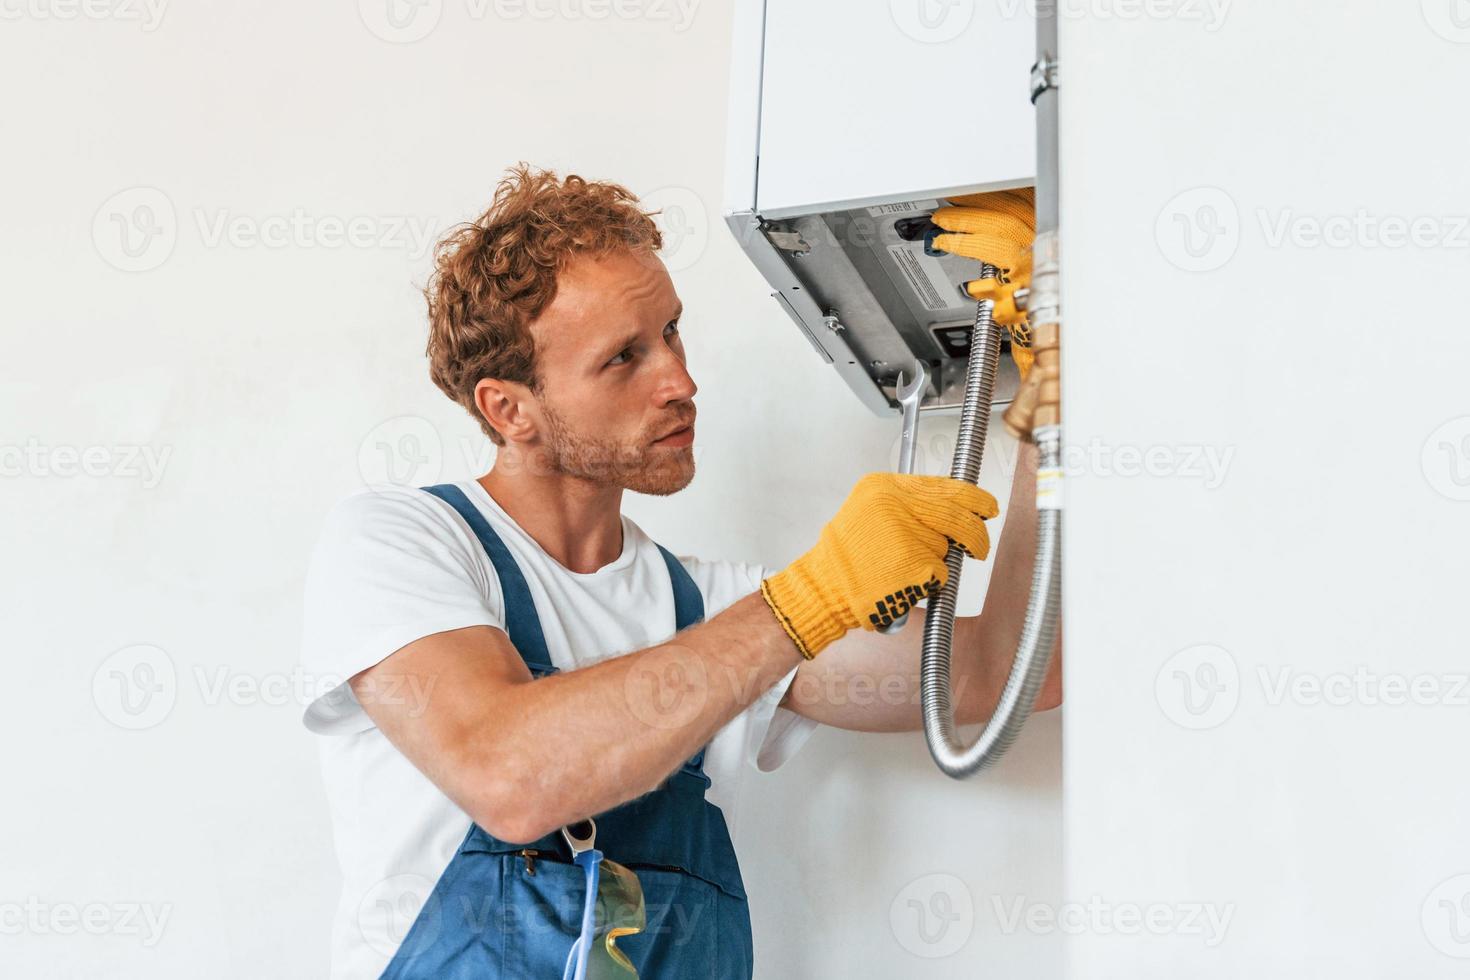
x=849, y=124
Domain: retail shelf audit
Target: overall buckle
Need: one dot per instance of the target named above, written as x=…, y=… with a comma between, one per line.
x=580, y=836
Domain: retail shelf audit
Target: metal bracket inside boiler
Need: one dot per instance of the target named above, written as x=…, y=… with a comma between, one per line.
x=870, y=300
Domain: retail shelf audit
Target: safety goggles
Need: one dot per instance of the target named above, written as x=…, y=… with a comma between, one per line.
x=613, y=908
x=620, y=912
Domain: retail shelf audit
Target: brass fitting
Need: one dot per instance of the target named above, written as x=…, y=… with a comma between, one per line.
x=1038, y=403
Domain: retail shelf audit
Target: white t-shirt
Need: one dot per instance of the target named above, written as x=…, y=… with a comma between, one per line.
x=396, y=564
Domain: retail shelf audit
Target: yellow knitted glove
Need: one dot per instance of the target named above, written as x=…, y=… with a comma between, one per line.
x=997, y=227
x=882, y=553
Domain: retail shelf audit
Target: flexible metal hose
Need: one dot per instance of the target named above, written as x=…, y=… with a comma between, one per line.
x=1038, y=632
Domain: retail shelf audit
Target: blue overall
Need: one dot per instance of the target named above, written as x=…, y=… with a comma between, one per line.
x=513, y=910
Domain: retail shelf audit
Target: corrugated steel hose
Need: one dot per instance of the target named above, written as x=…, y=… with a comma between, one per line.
x=1040, y=418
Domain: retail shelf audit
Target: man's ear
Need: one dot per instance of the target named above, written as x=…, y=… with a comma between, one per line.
x=509, y=407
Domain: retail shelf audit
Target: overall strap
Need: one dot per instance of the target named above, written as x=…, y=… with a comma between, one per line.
x=688, y=603
x=521, y=621
x=688, y=610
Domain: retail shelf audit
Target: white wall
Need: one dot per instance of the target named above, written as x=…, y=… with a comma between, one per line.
x=262, y=379
x=1329, y=826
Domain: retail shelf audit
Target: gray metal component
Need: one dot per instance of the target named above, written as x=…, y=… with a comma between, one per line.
x=1047, y=131
x=804, y=309
x=908, y=397
x=789, y=241
x=889, y=296
x=581, y=836
x=909, y=394
x=1046, y=278
x=1043, y=76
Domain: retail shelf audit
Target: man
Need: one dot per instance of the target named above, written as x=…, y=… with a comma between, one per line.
x=511, y=641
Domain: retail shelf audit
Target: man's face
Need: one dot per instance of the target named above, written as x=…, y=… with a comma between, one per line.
x=613, y=380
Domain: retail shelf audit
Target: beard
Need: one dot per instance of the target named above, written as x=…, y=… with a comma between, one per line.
x=640, y=467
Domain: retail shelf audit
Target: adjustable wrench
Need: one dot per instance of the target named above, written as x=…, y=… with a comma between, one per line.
x=909, y=396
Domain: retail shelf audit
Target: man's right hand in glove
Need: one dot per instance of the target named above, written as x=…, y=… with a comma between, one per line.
x=880, y=555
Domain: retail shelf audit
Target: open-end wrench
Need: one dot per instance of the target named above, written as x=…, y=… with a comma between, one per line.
x=909, y=396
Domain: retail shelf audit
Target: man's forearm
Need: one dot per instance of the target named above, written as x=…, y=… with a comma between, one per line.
x=988, y=641
x=586, y=740
x=984, y=644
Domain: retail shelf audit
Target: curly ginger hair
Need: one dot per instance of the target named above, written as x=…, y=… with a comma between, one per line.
x=495, y=275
